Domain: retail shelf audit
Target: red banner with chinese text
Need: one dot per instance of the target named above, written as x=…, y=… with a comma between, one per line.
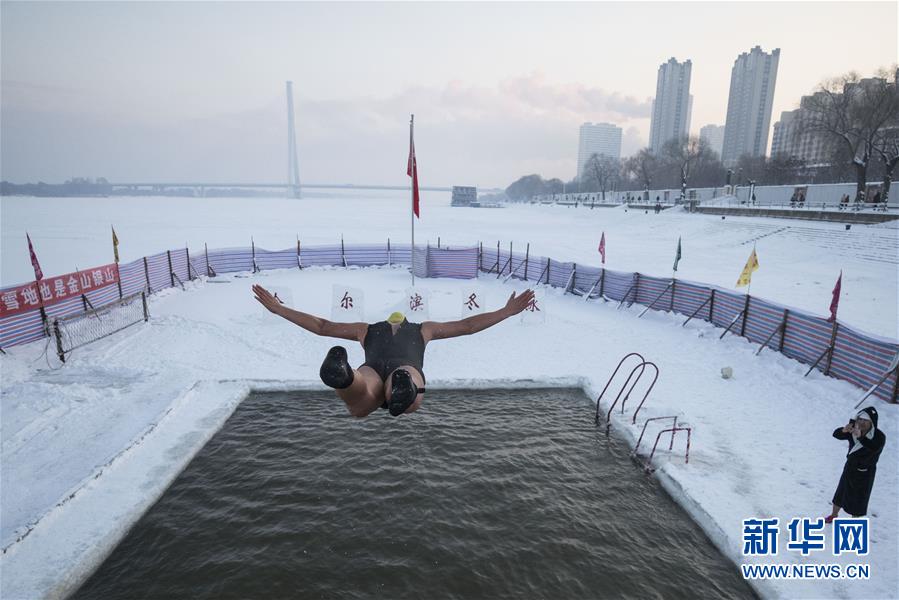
x=51, y=290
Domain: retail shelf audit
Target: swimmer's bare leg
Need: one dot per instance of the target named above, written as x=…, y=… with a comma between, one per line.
x=360, y=389
x=416, y=379
x=365, y=395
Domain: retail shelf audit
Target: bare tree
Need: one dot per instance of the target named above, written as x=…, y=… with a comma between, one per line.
x=686, y=153
x=853, y=112
x=781, y=169
x=886, y=145
x=641, y=167
x=600, y=173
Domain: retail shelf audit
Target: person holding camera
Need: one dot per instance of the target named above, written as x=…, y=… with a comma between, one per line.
x=865, y=445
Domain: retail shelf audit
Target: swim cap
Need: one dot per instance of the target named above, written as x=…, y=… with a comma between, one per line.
x=396, y=317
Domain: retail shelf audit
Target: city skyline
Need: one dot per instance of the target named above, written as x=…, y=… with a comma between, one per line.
x=152, y=96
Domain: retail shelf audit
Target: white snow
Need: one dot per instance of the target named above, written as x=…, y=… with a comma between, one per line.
x=800, y=260
x=86, y=448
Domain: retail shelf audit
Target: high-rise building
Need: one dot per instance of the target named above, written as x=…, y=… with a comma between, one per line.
x=599, y=138
x=714, y=135
x=672, y=105
x=783, y=140
x=793, y=138
x=749, y=104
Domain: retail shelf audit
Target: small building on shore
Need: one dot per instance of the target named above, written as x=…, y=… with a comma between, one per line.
x=464, y=196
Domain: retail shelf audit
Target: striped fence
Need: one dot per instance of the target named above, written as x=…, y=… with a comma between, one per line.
x=855, y=356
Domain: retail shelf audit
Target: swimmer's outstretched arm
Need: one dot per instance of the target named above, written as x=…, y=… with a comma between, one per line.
x=432, y=330
x=311, y=323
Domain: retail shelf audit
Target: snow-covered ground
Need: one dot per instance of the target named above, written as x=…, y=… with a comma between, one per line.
x=800, y=260
x=87, y=447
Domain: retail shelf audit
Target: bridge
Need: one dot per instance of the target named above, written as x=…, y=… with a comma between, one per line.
x=160, y=186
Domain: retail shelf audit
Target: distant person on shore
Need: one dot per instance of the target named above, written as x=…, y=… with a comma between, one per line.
x=794, y=199
x=392, y=375
x=865, y=445
x=844, y=202
x=876, y=198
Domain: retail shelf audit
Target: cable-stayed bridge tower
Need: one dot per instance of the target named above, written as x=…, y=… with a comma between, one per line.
x=293, y=167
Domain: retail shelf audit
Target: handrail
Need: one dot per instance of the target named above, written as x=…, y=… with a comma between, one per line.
x=626, y=356
x=645, y=423
x=642, y=367
x=648, y=466
x=649, y=389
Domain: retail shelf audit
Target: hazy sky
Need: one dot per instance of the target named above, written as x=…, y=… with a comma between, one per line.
x=188, y=91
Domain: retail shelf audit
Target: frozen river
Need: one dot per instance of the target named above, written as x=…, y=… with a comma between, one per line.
x=799, y=260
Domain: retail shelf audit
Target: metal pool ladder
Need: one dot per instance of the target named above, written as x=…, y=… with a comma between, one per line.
x=641, y=365
x=647, y=465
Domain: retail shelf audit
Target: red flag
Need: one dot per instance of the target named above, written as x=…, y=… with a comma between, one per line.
x=602, y=247
x=412, y=171
x=38, y=274
x=835, y=303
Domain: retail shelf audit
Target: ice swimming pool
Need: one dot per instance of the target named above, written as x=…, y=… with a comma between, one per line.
x=482, y=493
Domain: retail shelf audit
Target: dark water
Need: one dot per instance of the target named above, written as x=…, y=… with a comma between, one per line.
x=481, y=494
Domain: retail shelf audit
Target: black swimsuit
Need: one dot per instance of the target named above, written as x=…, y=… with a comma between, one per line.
x=386, y=351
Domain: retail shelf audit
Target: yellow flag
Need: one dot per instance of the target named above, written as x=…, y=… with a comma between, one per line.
x=115, y=245
x=751, y=265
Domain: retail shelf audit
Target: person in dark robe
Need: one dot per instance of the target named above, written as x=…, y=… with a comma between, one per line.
x=865, y=445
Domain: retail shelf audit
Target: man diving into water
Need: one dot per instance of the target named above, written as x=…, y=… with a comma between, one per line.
x=394, y=352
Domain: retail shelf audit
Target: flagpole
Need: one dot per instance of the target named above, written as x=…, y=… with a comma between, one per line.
x=412, y=191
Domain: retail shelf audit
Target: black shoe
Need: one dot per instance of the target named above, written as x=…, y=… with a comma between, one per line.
x=336, y=371
x=403, y=392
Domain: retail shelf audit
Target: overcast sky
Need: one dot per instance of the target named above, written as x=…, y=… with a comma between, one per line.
x=181, y=91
